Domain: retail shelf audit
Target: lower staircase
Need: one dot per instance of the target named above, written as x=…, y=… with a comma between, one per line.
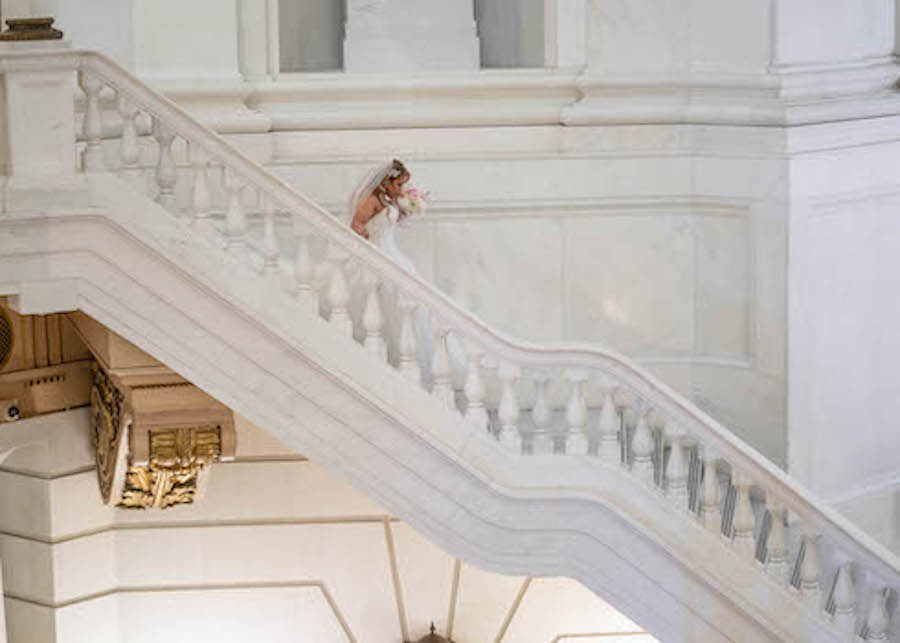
x=539, y=460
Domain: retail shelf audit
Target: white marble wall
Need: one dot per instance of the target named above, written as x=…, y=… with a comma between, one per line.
x=177, y=40
x=685, y=272
x=836, y=31
x=629, y=37
x=844, y=348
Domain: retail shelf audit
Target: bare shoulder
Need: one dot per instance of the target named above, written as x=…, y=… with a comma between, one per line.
x=368, y=207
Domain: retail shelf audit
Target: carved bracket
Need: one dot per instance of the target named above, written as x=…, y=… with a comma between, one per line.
x=155, y=442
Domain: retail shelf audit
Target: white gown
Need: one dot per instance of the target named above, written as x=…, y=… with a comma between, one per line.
x=382, y=232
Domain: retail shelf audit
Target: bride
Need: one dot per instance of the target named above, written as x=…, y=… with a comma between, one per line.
x=375, y=215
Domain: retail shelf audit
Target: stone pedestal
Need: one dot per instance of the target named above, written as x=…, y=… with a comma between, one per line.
x=410, y=36
x=40, y=121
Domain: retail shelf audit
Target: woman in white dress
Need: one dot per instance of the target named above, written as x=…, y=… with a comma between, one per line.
x=375, y=215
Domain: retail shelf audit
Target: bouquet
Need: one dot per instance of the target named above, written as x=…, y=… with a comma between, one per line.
x=412, y=199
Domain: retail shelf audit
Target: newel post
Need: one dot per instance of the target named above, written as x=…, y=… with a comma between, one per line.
x=39, y=118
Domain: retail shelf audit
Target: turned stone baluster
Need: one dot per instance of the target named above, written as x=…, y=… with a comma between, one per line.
x=165, y=165
x=744, y=520
x=541, y=414
x=810, y=570
x=441, y=386
x=339, y=298
x=408, y=342
x=844, y=597
x=475, y=389
x=777, y=547
x=711, y=502
x=92, y=156
x=576, y=413
x=201, y=203
x=676, y=469
x=642, y=445
x=235, y=216
x=304, y=268
x=129, y=151
x=373, y=319
x=508, y=410
x=608, y=444
x=270, y=241
x=877, y=621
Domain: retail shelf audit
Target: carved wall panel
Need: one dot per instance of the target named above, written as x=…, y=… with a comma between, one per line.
x=106, y=417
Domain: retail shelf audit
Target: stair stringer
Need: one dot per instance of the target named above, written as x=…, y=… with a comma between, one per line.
x=164, y=287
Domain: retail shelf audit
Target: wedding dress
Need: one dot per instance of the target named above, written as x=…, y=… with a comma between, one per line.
x=383, y=233
x=382, y=230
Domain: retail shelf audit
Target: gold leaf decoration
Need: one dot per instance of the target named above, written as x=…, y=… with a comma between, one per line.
x=177, y=456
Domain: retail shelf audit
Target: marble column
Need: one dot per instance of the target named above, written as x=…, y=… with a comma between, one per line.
x=410, y=35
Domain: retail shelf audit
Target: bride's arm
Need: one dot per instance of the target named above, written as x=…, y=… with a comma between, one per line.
x=359, y=228
x=360, y=219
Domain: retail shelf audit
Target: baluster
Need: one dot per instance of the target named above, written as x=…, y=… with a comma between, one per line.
x=373, y=320
x=508, y=410
x=235, y=216
x=642, y=444
x=657, y=428
x=877, y=621
x=810, y=589
x=201, y=203
x=711, y=503
x=676, y=469
x=408, y=343
x=92, y=155
x=744, y=520
x=608, y=445
x=475, y=388
x=844, y=597
x=270, y=241
x=541, y=414
x=339, y=298
x=777, y=564
x=576, y=413
x=165, y=165
x=304, y=269
x=441, y=386
x=129, y=152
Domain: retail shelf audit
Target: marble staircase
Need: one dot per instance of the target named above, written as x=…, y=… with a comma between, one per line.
x=546, y=460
